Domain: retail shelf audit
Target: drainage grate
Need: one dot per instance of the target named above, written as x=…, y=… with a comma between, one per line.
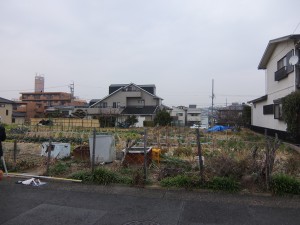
x=142, y=223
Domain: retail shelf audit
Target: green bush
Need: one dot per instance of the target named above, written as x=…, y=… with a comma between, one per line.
x=148, y=124
x=291, y=109
x=131, y=176
x=85, y=176
x=59, y=168
x=181, y=181
x=224, y=184
x=104, y=176
x=284, y=184
x=173, y=162
x=101, y=176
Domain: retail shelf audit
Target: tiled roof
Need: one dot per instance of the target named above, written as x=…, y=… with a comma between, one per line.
x=271, y=47
x=18, y=114
x=260, y=99
x=3, y=100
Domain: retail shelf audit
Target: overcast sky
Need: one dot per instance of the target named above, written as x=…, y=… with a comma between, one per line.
x=178, y=45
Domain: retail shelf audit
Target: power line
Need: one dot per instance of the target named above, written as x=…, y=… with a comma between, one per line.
x=32, y=89
x=296, y=27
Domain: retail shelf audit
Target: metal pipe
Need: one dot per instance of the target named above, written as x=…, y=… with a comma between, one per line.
x=42, y=177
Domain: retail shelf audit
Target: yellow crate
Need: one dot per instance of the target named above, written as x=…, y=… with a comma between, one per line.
x=156, y=154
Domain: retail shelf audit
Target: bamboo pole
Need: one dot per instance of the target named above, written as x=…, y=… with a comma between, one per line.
x=43, y=177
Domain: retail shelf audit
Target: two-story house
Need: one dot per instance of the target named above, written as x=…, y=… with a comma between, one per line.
x=231, y=115
x=193, y=115
x=179, y=115
x=126, y=100
x=282, y=77
x=6, y=109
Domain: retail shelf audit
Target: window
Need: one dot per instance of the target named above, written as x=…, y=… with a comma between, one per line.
x=2, y=105
x=103, y=105
x=141, y=102
x=179, y=114
x=7, y=112
x=268, y=109
x=116, y=104
x=283, y=67
x=281, y=63
x=278, y=111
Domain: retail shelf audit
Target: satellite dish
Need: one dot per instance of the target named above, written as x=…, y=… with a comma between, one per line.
x=293, y=60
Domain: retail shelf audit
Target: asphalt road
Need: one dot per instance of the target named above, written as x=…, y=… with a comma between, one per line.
x=77, y=204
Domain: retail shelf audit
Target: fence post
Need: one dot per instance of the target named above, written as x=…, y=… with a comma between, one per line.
x=267, y=171
x=145, y=155
x=200, y=156
x=49, y=149
x=15, y=153
x=94, y=146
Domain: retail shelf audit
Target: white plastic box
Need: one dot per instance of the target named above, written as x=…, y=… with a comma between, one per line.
x=59, y=150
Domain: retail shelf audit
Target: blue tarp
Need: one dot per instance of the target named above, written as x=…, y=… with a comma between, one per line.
x=218, y=128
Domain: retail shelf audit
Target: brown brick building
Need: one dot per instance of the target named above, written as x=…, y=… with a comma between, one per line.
x=34, y=104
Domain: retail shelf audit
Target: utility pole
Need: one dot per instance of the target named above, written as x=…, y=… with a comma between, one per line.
x=212, y=103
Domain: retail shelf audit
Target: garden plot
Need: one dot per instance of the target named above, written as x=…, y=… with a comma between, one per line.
x=239, y=155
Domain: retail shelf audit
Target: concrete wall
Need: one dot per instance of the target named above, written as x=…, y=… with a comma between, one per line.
x=267, y=121
x=274, y=88
x=6, y=113
x=19, y=120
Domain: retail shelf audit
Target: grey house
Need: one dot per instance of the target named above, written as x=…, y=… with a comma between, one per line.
x=125, y=100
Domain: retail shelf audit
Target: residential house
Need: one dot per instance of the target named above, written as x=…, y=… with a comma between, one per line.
x=178, y=115
x=282, y=76
x=193, y=115
x=6, y=109
x=125, y=100
x=18, y=118
x=231, y=115
x=204, y=118
x=188, y=116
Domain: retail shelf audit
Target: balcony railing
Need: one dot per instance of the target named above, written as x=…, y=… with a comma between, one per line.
x=281, y=73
